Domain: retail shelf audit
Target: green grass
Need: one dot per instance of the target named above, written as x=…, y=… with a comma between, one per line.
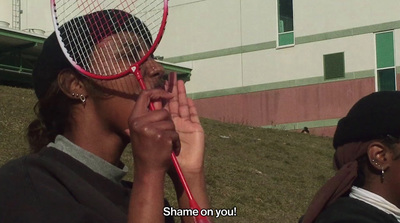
x=268, y=175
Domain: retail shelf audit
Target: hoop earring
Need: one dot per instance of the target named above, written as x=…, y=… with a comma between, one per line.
x=83, y=99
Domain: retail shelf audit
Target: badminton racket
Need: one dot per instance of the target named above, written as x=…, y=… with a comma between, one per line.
x=108, y=39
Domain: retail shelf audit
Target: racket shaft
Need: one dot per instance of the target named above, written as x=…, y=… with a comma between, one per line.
x=139, y=77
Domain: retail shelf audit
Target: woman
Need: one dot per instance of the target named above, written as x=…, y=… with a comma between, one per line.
x=366, y=186
x=83, y=126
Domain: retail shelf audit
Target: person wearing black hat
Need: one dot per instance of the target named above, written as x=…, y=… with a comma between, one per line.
x=367, y=158
x=74, y=173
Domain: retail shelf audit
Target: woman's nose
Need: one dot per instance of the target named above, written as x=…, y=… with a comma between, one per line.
x=152, y=68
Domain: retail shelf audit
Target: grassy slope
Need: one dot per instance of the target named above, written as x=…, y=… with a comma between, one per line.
x=268, y=175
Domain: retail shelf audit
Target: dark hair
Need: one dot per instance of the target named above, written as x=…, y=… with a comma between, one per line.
x=52, y=112
x=52, y=108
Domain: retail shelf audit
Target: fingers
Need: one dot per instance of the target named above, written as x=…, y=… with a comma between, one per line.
x=163, y=133
x=170, y=83
x=150, y=123
x=154, y=138
x=157, y=104
x=178, y=105
x=144, y=99
x=173, y=104
x=194, y=117
x=183, y=101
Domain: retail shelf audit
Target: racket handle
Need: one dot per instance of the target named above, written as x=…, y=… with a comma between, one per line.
x=192, y=202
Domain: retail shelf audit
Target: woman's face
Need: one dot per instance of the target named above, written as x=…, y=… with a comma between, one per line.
x=116, y=54
x=113, y=57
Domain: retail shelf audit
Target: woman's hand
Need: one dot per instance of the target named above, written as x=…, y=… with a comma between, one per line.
x=153, y=139
x=191, y=156
x=152, y=133
x=187, y=125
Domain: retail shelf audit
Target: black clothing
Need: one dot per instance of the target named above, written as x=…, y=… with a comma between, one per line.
x=51, y=186
x=350, y=210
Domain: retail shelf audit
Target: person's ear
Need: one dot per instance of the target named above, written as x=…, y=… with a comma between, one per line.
x=379, y=156
x=70, y=84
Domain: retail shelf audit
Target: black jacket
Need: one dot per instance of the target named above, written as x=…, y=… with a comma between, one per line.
x=349, y=210
x=53, y=187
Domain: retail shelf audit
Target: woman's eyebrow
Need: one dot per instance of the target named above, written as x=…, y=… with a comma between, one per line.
x=123, y=49
x=137, y=47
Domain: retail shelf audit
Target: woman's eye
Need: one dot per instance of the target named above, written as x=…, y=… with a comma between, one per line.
x=134, y=57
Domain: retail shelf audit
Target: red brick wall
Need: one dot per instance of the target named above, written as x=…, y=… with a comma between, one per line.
x=289, y=105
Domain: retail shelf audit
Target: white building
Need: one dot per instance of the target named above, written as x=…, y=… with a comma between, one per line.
x=274, y=63
x=284, y=63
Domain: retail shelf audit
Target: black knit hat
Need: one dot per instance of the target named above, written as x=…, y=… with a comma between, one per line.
x=52, y=60
x=372, y=117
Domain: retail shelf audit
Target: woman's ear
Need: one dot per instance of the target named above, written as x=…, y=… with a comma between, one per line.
x=71, y=84
x=379, y=156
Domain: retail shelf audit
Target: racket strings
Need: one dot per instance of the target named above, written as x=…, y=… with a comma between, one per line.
x=71, y=43
x=89, y=6
x=127, y=23
x=74, y=41
x=152, y=30
x=124, y=38
x=106, y=64
x=81, y=45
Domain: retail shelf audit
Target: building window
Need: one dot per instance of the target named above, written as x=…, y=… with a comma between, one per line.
x=387, y=79
x=334, y=65
x=385, y=62
x=285, y=23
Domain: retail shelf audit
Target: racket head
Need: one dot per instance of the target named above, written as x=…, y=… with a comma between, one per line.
x=128, y=32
